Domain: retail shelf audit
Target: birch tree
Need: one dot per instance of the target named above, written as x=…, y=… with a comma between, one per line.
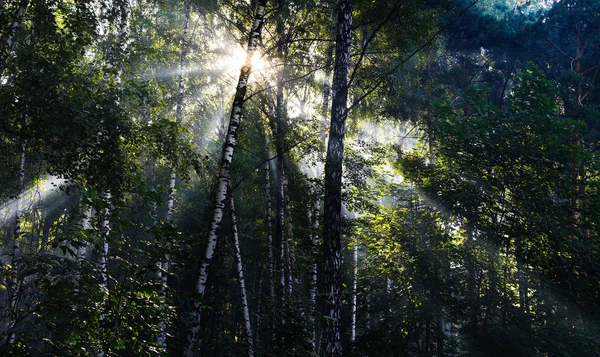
x=225, y=170
x=332, y=203
x=240, y=277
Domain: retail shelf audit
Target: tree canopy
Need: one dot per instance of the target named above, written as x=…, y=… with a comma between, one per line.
x=299, y=178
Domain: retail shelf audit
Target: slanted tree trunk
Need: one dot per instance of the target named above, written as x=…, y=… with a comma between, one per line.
x=333, y=185
x=241, y=281
x=225, y=171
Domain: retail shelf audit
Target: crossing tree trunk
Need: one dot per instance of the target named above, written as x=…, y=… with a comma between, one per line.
x=241, y=281
x=225, y=171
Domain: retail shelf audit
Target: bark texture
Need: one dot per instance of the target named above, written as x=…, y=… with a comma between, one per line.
x=164, y=264
x=225, y=171
x=354, y=288
x=241, y=281
x=15, y=25
x=314, y=220
x=332, y=346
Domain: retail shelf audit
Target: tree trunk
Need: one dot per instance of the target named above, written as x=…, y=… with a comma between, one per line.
x=473, y=290
x=333, y=185
x=354, y=289
x=19, y=203
x=12, y=32
x=225, y=171
x=269, y=229
x=105, y=229
x=13, y=290
x=314, y=220
x=521, y=277
x=85, y=225
x=289, y=241
x=240, y=271
x=164, y=264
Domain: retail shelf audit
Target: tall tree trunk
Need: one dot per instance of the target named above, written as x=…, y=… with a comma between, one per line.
x=289, y=240
x=241, y=281
x=473, y=289
x=85, y=225
x=225, y=171
x=19, y=202
x=326, y=81
x=439, y=333
x=314, y=218
x=9, y=39
x=354, y=289
x=333, y=185
x=164, y=264
x=105, y=227
x=269, y=229
x=281, y=236
x=521, y=277
x=14, y=291
x=368, y=317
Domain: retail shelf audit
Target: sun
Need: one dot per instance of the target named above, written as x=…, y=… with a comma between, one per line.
x=237, y=56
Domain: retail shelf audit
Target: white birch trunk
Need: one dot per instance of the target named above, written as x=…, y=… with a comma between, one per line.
x=14, y=290
x=289, y=241
x=314, y=221
x=14, y=27
x=85, y=225
x=105, y=228
x=225, y=171
x=19, y=203
x=269, y=228
x=164, y=264
x=105, y=235
x=368, y=317
x=240, y=271
x=354, y=288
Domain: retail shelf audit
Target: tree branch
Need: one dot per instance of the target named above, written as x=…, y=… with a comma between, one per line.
x=401, y=63
x=370, y=39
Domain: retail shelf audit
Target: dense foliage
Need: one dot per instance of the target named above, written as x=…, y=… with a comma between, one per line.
x=470, y=194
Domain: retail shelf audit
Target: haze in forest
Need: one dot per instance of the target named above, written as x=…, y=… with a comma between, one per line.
x=300, y=178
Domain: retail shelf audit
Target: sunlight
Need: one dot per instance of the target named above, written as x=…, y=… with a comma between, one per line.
x=43, y=189
x=236, y=58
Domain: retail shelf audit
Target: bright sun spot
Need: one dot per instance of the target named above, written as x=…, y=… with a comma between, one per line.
x=237, y=57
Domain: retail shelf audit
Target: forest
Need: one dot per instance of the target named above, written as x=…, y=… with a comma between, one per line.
x=300, y=178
